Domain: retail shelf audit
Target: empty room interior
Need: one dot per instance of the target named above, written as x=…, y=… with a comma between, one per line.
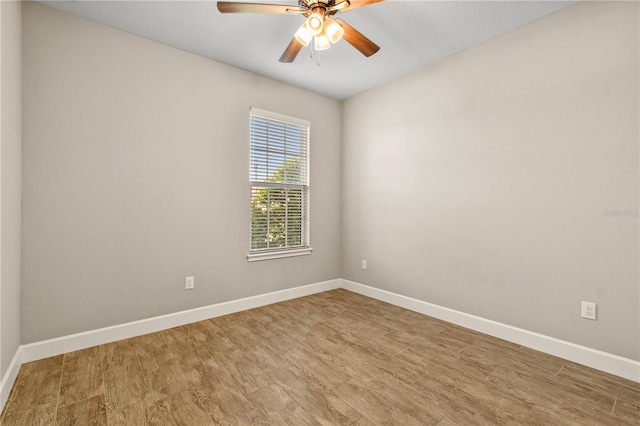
x=208, y=216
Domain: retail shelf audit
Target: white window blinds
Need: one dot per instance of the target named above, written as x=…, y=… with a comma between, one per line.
x=279, y=175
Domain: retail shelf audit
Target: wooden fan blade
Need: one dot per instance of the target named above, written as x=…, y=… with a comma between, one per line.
x=291, y=51
x=233, y=7
x=357, y=39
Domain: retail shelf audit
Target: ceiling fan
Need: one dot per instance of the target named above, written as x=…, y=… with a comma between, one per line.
x=320, y=25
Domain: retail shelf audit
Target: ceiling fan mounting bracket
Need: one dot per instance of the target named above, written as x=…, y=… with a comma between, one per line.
x=329, y=7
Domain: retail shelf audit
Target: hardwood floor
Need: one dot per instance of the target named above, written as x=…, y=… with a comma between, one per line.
x=334, y=358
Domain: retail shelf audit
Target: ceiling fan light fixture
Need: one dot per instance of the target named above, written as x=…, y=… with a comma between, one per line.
x=321, y=25
x=315, y=22
x=333, y=30
x=322, y=42
x=304, y=35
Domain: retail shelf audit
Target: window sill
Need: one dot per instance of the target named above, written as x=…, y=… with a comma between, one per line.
x=254, y=257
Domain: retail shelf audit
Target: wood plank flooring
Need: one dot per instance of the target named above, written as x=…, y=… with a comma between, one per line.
x=334, y=358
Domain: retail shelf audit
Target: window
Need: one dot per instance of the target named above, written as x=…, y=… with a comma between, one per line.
x=279, y=175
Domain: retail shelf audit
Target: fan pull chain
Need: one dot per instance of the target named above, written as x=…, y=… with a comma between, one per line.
x=311, y=49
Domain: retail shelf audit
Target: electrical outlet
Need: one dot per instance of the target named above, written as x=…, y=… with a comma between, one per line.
x=364, y=264
x=189, y=283
x=589, y=310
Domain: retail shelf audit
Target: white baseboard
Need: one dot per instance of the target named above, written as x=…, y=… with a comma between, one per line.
x=603, y=361
x=613, y=364
x=10, y=377
x=101, y=336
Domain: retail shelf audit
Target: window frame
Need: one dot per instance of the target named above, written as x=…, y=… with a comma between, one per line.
x=288, y=251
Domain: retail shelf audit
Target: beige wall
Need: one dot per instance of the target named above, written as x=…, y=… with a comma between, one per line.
x=481, y=183
x=10, y=186
x=136, y=175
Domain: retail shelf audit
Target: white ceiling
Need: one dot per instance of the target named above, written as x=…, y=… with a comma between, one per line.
x=411, y=35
